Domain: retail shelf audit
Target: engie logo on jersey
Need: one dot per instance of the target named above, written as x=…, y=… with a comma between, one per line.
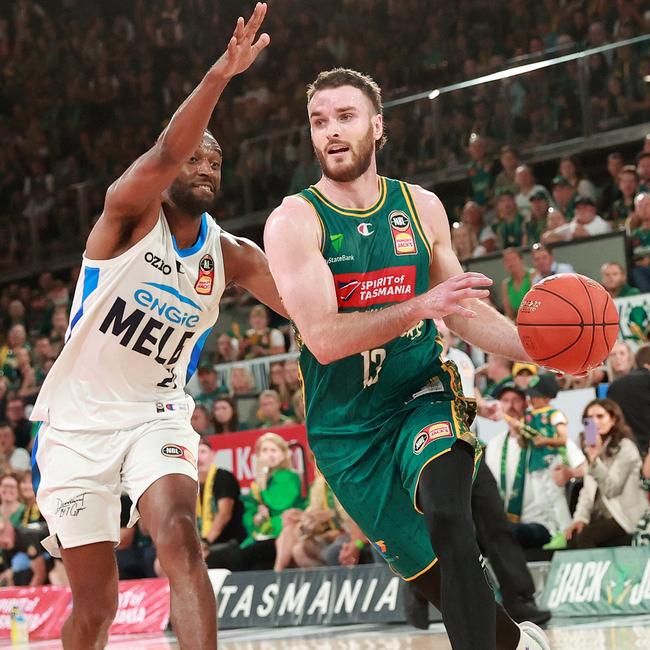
x=402, y=233
x=178, y=451
x=394, y=284
x=206, y=276
x=429, y=434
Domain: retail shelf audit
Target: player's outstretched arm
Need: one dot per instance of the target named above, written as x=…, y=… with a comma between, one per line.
x=135, y=195
x=292, y=240
x=490, y=330
x=246, y=265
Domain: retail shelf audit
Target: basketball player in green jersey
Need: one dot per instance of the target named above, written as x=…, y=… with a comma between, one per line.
x=363, y=264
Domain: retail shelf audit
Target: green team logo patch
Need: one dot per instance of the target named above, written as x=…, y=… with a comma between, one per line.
x=337, y=241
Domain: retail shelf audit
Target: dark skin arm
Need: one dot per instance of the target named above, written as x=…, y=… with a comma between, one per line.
x=133, y=201
x=246, y=265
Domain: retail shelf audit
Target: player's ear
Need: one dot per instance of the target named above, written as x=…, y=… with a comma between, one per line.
x=378, y=126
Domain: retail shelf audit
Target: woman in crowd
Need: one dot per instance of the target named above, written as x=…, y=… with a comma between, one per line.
x=11, y=506
x=464, y=242
x=611, y=501
x=31, y=515
x=276, y=488
x=620, y=360
x=278, y=383
x=569, y=169
x=224, y=416
x=241, y=381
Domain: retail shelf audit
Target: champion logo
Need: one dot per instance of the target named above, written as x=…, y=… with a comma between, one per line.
x=365, y=229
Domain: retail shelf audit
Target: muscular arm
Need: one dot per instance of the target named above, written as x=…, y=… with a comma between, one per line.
x=292, y=242
x=246, y=265
x=133, y=200
x=490, y=331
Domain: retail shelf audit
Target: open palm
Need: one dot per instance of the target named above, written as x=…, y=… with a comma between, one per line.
x=242, y=51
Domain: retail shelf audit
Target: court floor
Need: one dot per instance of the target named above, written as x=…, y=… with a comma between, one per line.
x=623, y=633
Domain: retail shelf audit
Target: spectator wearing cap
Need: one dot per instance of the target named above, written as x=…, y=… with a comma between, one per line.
x=612, y=277
x=522, y=373
x=510, y=224
x=260, y=339
x=564, y=196
x=526, y=187
x=516, y=284
x=610, y=192
x=630, y=392
x=545, y=264
x=585, y=223
x=509, y=159
x=480, y=170
x=640, y=244
x=525, y=496
x=472, y=217
x=623, y=207
x=211, y=387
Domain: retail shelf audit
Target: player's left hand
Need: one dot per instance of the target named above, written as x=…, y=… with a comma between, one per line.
x=241, y=51
x=490, y=409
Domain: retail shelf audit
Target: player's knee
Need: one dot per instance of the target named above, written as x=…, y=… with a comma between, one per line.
x=93, y=616
x=177, y=542
x=450, y=531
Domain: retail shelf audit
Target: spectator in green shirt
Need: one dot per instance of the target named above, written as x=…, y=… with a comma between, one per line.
x=270, y=410
x=510, y=226
x=612, y=277
x=211, y=387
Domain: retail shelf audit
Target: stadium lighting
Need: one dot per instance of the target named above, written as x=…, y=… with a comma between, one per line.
x=434, y=94
x=647, y=78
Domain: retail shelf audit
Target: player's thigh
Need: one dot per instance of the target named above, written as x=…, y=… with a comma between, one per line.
x=78, y=486
x=372, y=493
x=428, y=432
x=162, y=449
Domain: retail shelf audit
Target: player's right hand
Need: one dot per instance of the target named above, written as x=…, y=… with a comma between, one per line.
x=446, y=298
x=241, y=51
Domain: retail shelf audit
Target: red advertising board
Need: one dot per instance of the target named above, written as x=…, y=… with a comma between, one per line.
x=235, y=451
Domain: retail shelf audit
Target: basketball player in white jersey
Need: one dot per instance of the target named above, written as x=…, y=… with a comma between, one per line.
x=113, y=410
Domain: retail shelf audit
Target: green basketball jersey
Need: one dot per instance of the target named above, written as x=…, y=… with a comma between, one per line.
x=379, y=257
x=545, y=420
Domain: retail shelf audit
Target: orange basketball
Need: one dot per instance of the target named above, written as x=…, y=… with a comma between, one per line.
x=568, y=322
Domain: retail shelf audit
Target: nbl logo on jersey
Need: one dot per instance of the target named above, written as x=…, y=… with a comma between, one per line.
x=402, y=233
x=205, y=281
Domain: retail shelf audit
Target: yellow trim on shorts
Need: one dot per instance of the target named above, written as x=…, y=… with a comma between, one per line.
x=417, y=483
x=419, y=573
x=320, y=221
x=416, y=219
x=354, y=212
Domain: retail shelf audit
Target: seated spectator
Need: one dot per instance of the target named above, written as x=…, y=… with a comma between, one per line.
x=564, y=196
x=135, y=553
x=277, y=487
x=517, y=283
x=509, y=159
x=643, y=170
x=15, y=458
x=219, y=510
x=527, y=501
x=611, y=500
x=620, y=361
x=510, y=224
x=244, y=394
x=526, y=189
x=292, y=375
x=554, y=219
x=201, y=421
x=224, y=415
x=29, y=385
x=544, y=263
x=278, y=384
x=227, y=349
x=623, y=207
x=642, y=533
x=569, y=169
x=611, y=192
x=640, y=244
x=11, y=506
x=22, y=561
x=59, y=328
x=32, y=514
x=211, y=387
x=612, y=277
x=21, y=426
x=522, y=373
x=480, y=170
x=498, y=372
x=261, y=340
x=630, y=392
x=472, y=216
x=464, y=242
x=270, y=411
x=585, y=223
x=538, y=219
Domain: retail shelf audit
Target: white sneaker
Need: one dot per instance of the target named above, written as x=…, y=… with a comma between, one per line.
x=532, y=637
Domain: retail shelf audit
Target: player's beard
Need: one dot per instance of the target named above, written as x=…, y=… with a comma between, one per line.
x=184, y=196
x=361, y=158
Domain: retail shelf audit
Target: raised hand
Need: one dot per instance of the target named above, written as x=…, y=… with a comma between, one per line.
x=446, y=298
x=241, y=51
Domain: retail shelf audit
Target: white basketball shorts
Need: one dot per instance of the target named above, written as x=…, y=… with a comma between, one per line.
x=80, y=476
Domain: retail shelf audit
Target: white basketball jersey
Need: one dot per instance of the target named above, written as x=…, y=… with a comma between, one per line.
x=137, y=326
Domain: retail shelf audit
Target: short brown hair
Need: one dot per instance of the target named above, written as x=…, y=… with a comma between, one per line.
x=642, y=356
x=338, y=77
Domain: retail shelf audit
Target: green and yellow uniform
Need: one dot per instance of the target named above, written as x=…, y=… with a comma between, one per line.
x=545, y=420
x=376, y=418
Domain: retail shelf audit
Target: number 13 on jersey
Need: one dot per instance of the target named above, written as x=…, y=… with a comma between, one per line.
x=372, y=363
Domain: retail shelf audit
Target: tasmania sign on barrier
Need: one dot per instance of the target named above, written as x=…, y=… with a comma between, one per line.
x=602, y=581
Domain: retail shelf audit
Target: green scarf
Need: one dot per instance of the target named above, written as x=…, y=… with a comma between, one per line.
x=516, y=501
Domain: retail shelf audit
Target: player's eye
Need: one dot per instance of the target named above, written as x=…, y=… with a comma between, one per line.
x=346, y=117
x=194, y=159
x=215, y=165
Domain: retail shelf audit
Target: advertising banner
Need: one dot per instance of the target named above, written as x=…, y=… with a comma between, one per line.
x=634, y=319
x=599, y=582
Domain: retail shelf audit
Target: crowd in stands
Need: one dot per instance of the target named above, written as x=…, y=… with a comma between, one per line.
x=85, y=87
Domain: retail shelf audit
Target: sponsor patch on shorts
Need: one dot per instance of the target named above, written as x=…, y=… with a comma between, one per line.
x=172, y=450
x=430, y=433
